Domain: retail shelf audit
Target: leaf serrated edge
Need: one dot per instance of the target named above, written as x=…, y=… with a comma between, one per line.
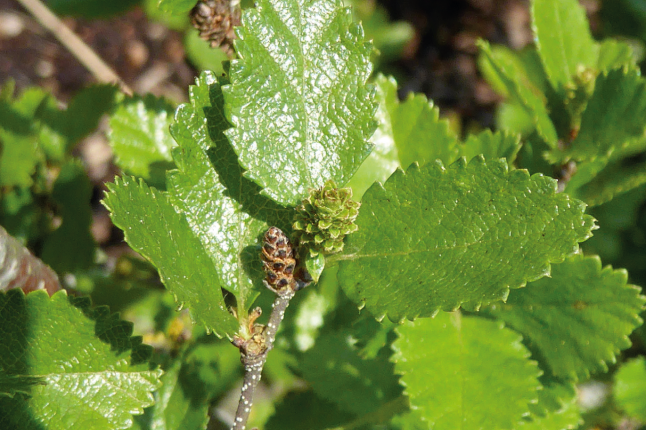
x=120, y=181
x=623, y=341
x=97, y=314
x=84, y=305
x=461, y=163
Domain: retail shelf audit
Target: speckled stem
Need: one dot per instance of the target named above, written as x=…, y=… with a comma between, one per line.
x=253, y=364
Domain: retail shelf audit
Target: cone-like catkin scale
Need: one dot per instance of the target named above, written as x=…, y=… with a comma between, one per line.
x=325, y=218
x=278, y=259
x=215, y=21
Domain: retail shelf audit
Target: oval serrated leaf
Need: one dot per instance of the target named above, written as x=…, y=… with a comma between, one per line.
x=465, y=372
x=90, y=368
x=225, y=210
x=578, y=319
x=298, y=97
x=435, y=238
x=153, y=228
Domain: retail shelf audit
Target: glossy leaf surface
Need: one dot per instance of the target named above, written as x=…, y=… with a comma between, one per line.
x=153, y=228
x=298, y=99
x=94, y=374
x=224, y=210
x=383, y=160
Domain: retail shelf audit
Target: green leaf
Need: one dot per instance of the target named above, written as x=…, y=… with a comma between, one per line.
x=298, y=99
x=140, y=137
x=434, y=238
x=512, y=117
x=492, y=145
x=614, y=117
x=224, y=210
x=586, y=171
x=19, y=151
x=491, y=73
x=522, y=92
x=630, y=388
x=18, y=158
x=555, y=395
x=71, y=246
x=420, y=135
x=563, y=39
x=409, y=421
x=402, y=136
x=465, y=372
x=614, y=54
x=70, y=346
x=623, y=212
x=337, y=373
x=164, y=237
x=383, y=160
x=557, y=408
x=176, y=6
x=315, y=265
x=534, y=69
x=613, y=181
x=578, y=319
